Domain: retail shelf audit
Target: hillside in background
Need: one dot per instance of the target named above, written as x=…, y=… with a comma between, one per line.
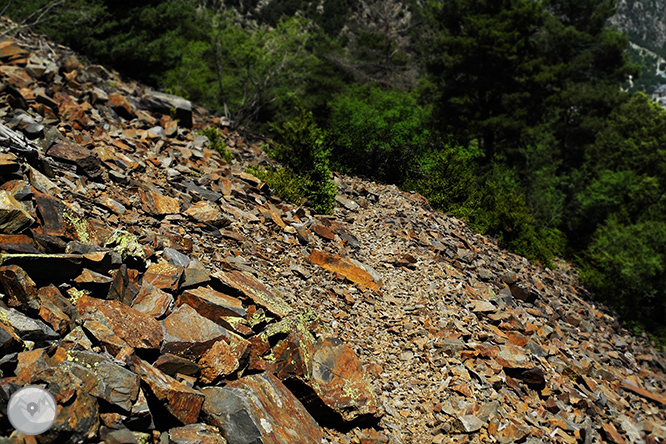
x=644, y=21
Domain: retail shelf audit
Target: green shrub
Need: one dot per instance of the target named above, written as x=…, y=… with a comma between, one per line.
x=488, y=198
x=217, y=143
x=378, y=133
x=283, y=181
x=305, y=150
x=625, y=266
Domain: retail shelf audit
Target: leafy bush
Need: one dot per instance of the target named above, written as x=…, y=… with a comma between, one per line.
x=625, y=265
x=489, y=199
x=305, y=150
x=378, y=133
x=217, y=143
x=283, y=181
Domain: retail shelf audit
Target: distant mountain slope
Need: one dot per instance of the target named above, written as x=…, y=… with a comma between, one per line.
x=644, y=21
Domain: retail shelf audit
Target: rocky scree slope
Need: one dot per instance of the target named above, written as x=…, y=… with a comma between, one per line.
x=163, y=295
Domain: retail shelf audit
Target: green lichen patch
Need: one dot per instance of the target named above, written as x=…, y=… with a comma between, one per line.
x=126, y=244
x=80, y=225
x=75, y=294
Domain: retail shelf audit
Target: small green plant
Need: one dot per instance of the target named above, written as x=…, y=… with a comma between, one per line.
x=284, y=183
x=217, y=143
x=305, y=149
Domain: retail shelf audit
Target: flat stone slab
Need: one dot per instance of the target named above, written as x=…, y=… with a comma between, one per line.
x=212, y=304
x=347, y=268
x=259, y=409
x=245, y=285
x=13, y=217
x=338, y=378
x=117, y=325
x=190, y=335
x=196, y=434
x=183, y=402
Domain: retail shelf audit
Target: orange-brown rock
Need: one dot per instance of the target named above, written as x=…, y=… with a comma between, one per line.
x=116, y=325
x=183, y=402
x=260, y=409
x=346, y=268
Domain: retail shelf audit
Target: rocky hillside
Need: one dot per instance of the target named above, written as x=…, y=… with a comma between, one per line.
x=164, y=295
x=644, y=21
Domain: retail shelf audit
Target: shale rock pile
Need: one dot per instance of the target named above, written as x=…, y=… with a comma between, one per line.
x=164, y=295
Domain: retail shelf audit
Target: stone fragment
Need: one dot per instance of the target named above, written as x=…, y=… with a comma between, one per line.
x=73, y=153
x=26, y=328
x=124, y=287
x=246, y=286
x=157, y=204
x=77, y=421
x=183, y=402
x=511, y=356
x=121, y=106
x=172, y=364
x=612, y=435
x=31, y=364
x=237, y=213
x=13, y=217
x=338, y=378
x=347, y=203
x=482, y=306
x=346, y=268
x=193, y=275
x=163, y=275
x=116, y=325
x=163, y=103
x=212, y=304
x=188, y=334
x=9, y=340
x=468, y=423
x=259, y=409
x=55, y=309
x=152, y=301
x=18, y=243
x=121, y=436
x=20, y=290
x=207, y=212
x=654, y=397
x=196, y=434
x=218, y=361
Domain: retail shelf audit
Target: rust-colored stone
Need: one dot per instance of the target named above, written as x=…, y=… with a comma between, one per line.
x=117, y=325
x=654, y=397
x=207, y=212
x=212, y=304
x=196, y=434
x=121, y=106
x=157, y=204
x=188, y=334
x=55, y=309
x=13, y=217
x=511, y=356
x=74, y=153
x=338, y=378
x=20, y=289
x=183, y=402
x=216, y=362
x=245, y=285
x=18, y=243
x=346, y=268
x=163, y=275
x=259, y=408
x=152, y=301
x=172, y=364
